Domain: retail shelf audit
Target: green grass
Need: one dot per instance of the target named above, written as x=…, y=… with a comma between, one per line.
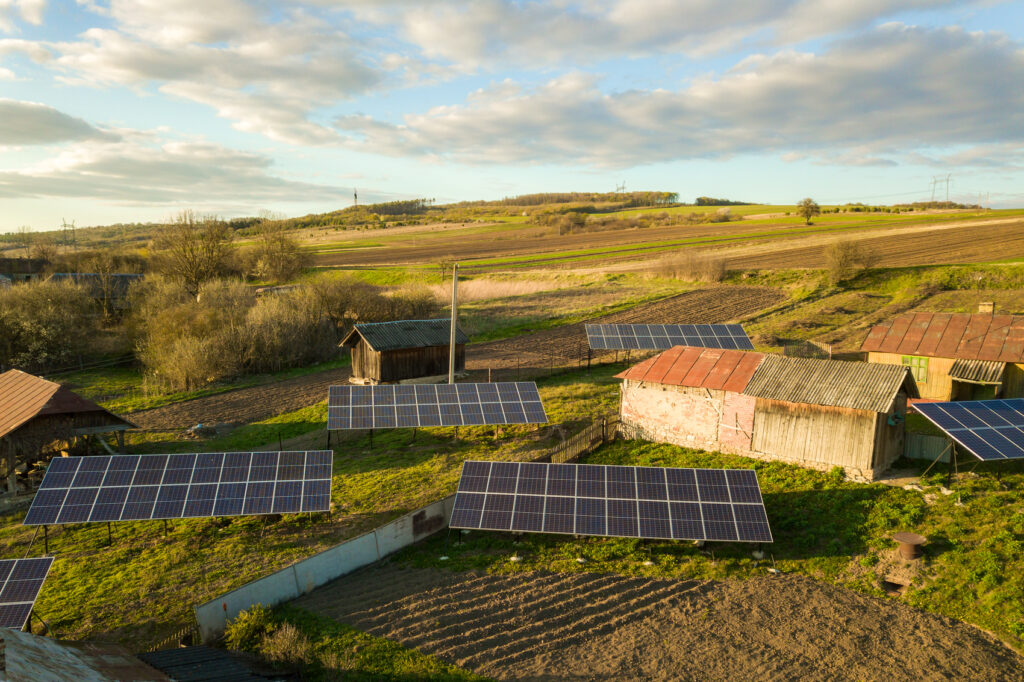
x=140, y=590
x=824, y=526
x=120, y=389
x=319, y=648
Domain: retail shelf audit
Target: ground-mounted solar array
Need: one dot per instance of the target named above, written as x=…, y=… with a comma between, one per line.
x=140, y=487
x=663, y=336
x=20, y=583
x=415, y=405
x=990, y=429
x=620, y=501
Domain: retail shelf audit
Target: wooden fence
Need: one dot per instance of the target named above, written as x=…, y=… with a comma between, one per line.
x=586, y=441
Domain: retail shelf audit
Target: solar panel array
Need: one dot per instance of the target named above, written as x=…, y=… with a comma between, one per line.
x=409, y=405
x=991, y=429
x=20, y=583
x=663, y=336
x=140, y=487
x=620, y=501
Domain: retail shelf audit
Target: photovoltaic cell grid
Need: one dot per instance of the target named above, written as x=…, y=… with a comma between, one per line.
x=407, y=405
x=20, y=583
x=620, y=501
x=662, y=336
x=990, y=429
x=141, y=487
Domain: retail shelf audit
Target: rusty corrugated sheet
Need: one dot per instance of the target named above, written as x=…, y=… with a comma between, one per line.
x=958, y=336
x=837, y=383
x=978, y=371
x=698, y=368
x=25, y=396
x=405, y=334
x=28, y=658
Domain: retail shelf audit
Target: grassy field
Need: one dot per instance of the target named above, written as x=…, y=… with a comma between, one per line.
x=140, y=589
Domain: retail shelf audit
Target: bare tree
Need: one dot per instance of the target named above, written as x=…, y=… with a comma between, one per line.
x=193, y=250
x=44, y=247
x=808, y=208
x=277, y=256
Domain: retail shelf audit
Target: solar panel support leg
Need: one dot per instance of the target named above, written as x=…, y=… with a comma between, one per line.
x=328, y=439
x=952, y=466
x=110, y=537
x=413, y=436
x=46, y=542
x=371, y=439
x=165, y=527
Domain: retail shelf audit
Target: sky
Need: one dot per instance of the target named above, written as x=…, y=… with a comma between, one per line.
x=134, y=110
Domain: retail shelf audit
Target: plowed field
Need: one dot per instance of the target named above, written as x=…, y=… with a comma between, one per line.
x=585, y=626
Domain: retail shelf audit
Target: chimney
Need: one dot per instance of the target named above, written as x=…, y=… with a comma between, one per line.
x=987, y=307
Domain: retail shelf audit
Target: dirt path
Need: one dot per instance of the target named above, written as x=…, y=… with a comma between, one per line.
x=245, y=404
x=525, y=356
x=540, y=626
x=604, y=627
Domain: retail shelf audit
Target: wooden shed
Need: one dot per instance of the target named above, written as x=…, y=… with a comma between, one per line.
x=385, y=352
x=35, y=412
x=816, y=413
x=954, y=356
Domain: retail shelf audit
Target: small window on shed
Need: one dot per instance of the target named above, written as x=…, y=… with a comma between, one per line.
x=918, y=367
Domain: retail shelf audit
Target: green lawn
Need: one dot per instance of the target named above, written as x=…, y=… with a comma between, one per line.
x=140, y=590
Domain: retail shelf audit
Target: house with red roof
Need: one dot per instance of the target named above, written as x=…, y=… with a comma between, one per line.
x=954, y=356
x=816, y=413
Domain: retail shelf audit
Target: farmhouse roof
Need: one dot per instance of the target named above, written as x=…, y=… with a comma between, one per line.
x=404, y=334
x=978, y=371
x=951, y=335
x=836, y=383
x=24, y=397
x=31, y=657
x=716, y=368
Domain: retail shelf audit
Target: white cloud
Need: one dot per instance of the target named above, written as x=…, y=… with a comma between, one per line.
x=887, y=92
x=266, y=71
x=146, y=168
x=28, y=10
x=474, y=33
x=31, y=123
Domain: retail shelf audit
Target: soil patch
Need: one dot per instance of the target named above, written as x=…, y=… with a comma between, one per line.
x=542, y=626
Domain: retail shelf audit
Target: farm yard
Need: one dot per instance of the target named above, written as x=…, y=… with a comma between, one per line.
x=830, y=595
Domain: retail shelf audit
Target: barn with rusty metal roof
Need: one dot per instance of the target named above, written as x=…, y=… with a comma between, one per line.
x=817, y=413
x=386, y=352
x=954, y=356
x=35, y=412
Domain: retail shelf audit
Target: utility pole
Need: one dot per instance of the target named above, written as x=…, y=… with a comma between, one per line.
x=451, y=340
x=935, y=181
x=948, y=176
x=355, y=197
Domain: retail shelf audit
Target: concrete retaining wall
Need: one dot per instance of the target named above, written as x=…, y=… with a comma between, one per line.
x=308, y=574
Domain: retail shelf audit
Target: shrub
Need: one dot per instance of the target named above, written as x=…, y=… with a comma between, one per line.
x=846, y=258
x=248, y=628
x=694, y=266
x=286, y=644
x=44, y=325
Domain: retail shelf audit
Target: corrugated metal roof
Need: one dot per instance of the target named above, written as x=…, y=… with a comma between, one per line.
x=716, y=368
x=24, y=396
x=951, y=335
x=202, y=664
x=28, y=658
x=405, y=334
x=978, y=371
x=837, y=383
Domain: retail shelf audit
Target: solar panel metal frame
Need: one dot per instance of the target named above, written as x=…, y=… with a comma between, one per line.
x=389, y=406
x=991, y=430
x=181, y=486
x=21, y=581
x=664, y=336
x=612, y=501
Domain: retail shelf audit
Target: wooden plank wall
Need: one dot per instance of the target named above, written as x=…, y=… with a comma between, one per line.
x=404, y=363
x=1013, y=380
x=833, y=436
x=939, y=385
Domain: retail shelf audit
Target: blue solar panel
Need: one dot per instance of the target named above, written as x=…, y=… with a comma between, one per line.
x=21, y=581
x=664, y=336
x=386, y=406
x=620, y=501
x=989, y=429
x=141, y=487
